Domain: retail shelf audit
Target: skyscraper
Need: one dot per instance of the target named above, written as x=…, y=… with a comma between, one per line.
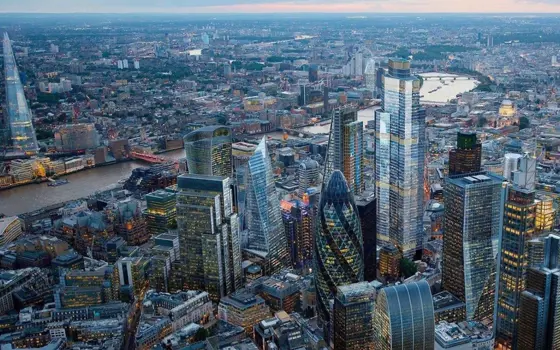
x=208, y=151
x=518, y=229
x=404, y=317
x=208, y=235
x=308, y=175
x=467, y=157
x=19, y=118
x=298, y=225
x=339, y=258
x=473, y=214
x=353, y=317
x=366, y=204
x=399, y=160
x=346, y=148
x=267, y=239
x=539, y=310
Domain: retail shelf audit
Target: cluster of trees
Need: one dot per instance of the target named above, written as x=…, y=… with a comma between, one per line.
x=431, y=52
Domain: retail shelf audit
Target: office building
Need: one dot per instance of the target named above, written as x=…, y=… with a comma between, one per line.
x=243, y=309
x=132, y=274
x=449, y=308
x=208, y=151
x=339, y=257
x=389, y=261
x=518, y=229
x=467, y=157
x=313, y=73
x=208, y=234
x=76, y=137
x=539, y=306
x=463, y=336
x=370, y=73
x=367, y=212
x=399, y=160
x=161, y=211
x=473, y=213
x=19, y=118
x=10, y=229
x=353, y=316
x=299, y=222
x=308, y=176
x=511, y=164
x=267, y=240
x=346, y=148
x=545, y=214
x=404, y=317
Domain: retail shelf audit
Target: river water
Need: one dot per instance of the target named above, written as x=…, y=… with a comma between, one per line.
x=31, y=197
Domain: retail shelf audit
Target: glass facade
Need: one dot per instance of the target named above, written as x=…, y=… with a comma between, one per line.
x=19, y=115
x=399, y=161
x=267, y=238
x=161, y=211
x=339, y=257
x=208, y=151
x=467, y=157
x=207, y=228
x=404, y=317
x=473, y=214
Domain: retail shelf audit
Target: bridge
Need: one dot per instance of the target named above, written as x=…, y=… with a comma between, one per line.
x=150, y=158
x=445, y=77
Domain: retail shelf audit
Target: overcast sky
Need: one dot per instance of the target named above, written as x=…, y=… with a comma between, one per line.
x=252, y=6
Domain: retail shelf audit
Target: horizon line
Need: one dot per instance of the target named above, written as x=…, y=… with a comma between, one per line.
x=521, y=13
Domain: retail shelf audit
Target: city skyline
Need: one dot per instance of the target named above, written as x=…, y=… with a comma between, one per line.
x=275, y=6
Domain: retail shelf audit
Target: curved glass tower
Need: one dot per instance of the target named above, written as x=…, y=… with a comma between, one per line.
x=339, y=258
x=404, y=317
x=208, y=151
x=19, y=120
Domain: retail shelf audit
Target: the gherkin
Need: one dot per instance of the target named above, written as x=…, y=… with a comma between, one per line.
x=338, y=243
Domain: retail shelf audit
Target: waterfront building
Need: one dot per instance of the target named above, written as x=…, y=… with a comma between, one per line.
x=243, y=309
x=539, y=306
x=399, y=160
x=367, y=212
x=346, y=148
x=208, y=235
x=19, y=118
x=353, y=316
x=299, y=223
x=518, y=229
x=10, y=229
x=208, y=151
x=267, y=240
x=473, y=214
x=339, y=257
x=76, y=137
x=161, y=211
x=467, y=157
x=403, y=317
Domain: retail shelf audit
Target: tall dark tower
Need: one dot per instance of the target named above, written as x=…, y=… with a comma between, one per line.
x=467, y=157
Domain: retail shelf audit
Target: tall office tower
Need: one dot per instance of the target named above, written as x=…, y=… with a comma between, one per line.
x=339, y=258
x=308, y=176
x=399, y=160
x=208, y=151
x=353, y=317
x=404, y=317
x=467, y=157
x=346, y=148
x=299, y=224
x=267, y=239
x=511, y=164
x=19, y=118
x=161, y=211
x=208, y=234
x=370, y=73
x=313, y=73
x=472, y=224
x=367, y=211
x=539, y=310
x=518, y=229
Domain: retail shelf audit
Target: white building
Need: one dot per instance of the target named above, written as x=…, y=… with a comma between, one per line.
x=125, y=64
x=136, y=64
x=10, y=229
x=120, y=64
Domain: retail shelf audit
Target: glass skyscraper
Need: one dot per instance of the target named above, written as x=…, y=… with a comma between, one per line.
x=208, y=235
x=346, y=148
x=518, y=229
x=267, y=239
x=404, y=317
x=473, y=214
x=467, y=157
x=208, y=151
x=19, y=118
x=339, y=257
x=399, y=160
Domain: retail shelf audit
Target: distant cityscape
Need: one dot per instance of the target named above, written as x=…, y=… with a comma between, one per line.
x=324, y=182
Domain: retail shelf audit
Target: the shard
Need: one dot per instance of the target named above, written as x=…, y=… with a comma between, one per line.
x=19, y=119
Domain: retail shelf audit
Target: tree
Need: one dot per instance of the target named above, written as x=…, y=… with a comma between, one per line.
x=201, y=334
x=407, y=267
x=524, y=123
x=482, y=121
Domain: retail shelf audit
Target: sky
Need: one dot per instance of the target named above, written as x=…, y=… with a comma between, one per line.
x=276, y=6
